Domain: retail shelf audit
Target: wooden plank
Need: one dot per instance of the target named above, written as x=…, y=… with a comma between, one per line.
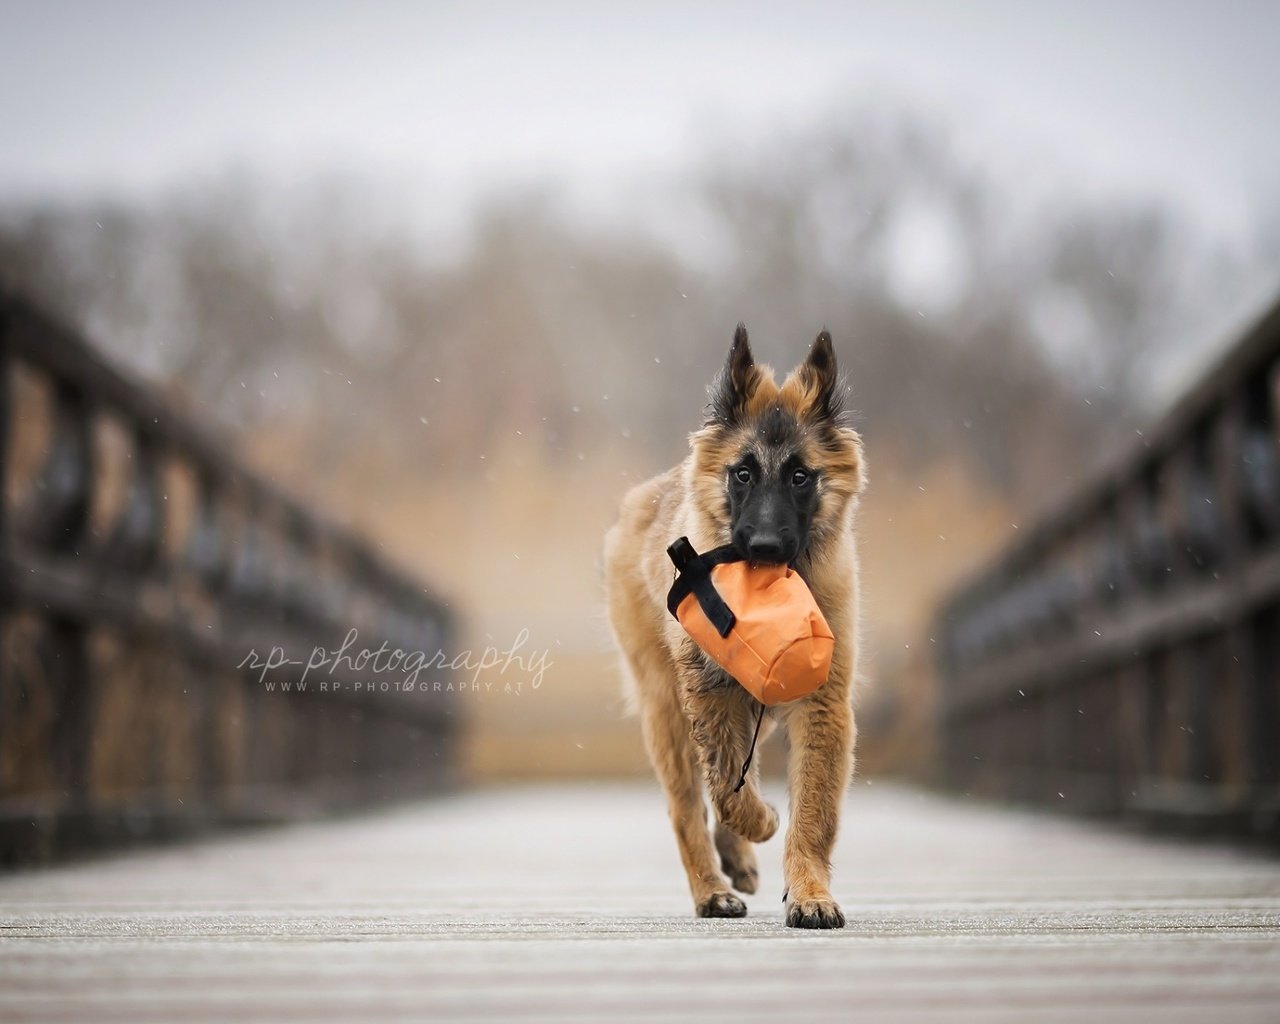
x=41, y=341
x=1121, y=635
x=80, y=591
x=569, y=904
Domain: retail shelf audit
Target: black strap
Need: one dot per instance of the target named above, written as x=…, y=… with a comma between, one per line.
x=742, y=779
x=694, y=577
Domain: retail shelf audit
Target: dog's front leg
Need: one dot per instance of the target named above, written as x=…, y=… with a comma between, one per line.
x=723, y=720
x=822, y=732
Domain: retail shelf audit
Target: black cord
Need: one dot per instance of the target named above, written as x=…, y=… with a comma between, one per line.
x=746, y=765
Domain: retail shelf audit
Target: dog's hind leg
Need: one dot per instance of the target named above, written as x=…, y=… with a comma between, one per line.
x=737, y=859
x=670, y=746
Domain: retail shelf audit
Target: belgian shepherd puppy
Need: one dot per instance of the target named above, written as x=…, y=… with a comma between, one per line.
x=777, y=472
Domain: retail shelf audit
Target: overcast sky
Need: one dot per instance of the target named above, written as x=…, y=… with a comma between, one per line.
x=1173, y=101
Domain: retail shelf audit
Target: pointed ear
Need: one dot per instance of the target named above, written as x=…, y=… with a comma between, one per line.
x=734, y=385
x=820, y=380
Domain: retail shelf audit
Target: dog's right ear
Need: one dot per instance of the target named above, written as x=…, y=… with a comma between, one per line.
x=734, y=385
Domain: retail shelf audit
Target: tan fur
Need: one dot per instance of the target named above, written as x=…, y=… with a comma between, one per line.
x=697, y=738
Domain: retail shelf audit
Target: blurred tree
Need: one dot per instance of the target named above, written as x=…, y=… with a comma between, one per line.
x=1019, y=345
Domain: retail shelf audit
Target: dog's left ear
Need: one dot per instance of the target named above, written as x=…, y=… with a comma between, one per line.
x=819, y=380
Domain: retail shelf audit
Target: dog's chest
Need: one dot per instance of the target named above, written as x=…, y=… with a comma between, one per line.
x=702, y=674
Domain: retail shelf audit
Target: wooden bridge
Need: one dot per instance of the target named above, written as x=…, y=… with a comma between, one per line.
x=1120, y=662
x=143, y=573
x=568, y=903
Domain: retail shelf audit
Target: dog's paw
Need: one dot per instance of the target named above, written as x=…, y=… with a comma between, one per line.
x=744, y=878
x=746, y=815
x=770, y=824
x=764, y=825
x=722, y=904
x=815, y=914
x=737, y=859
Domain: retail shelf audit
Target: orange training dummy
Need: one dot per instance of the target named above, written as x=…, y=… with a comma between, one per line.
x=759, y=623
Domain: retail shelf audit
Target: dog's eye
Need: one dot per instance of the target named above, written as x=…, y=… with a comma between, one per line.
x=799, y=478
x=742, y=475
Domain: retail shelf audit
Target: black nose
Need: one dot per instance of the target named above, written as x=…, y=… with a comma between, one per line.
x=764, y=547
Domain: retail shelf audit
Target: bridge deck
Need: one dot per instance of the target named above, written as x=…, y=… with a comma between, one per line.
x=568, y=903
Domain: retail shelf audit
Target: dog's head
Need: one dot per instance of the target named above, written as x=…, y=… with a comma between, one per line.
x=776, y=467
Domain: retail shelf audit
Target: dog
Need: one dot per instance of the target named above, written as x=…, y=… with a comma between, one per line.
x=777, y=471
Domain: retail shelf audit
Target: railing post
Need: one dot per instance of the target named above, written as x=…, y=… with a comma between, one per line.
x=62, y=505
x=6, y=417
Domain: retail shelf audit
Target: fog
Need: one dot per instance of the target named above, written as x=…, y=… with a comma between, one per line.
x=460, y=279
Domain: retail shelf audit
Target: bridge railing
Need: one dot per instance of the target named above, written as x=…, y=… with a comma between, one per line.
x=140, y=566
x=1122, y=657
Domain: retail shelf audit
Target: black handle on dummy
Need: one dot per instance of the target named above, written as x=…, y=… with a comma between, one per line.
x=681, y=553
